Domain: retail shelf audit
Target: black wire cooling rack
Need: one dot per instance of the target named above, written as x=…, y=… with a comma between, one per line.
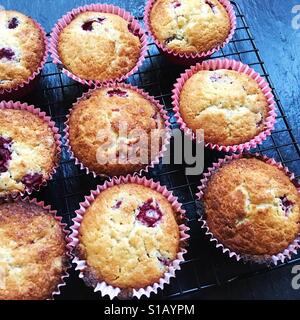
x=205, y=266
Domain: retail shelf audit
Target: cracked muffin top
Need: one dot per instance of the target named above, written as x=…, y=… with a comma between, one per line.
x=28, y=151
x=32, y=252
x=99, y=46
x=189, y=26
x=229, y=106
x=115, y=131
x=22, y=48
x=128, y=236
x=252, y=207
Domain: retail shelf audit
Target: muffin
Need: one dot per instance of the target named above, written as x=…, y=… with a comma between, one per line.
x=129, y=236
x=28, y=151
x=116, y=130
x=22, y=49
x=228, y=105
x=99, y=46
x=189, y=26
x=252, y=208
x=32, y=252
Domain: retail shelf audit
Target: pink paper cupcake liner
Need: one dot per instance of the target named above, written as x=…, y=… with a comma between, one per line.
x=105, y=8
x=28, y=85
x=68, y=255
x=217, y=64
x=273, y=260
x=30, y=108
x=159, y=107
x=103, y=287
x=190, y=58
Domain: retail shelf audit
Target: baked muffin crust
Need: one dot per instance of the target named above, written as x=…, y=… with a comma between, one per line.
x=22, y=48
x=252, y=207
x=27, y=150
x=32, y=252
x=99, y=46
x=189, y=26
x=96, y=127
x=229, y=106
x=128, y=236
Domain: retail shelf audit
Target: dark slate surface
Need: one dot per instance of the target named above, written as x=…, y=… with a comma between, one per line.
x=271, y=24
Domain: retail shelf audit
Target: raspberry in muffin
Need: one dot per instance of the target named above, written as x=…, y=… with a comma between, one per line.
x=28, y=151
x=252, y=208
x=229, y=106
x=129, y=236
x=32, y=252
x=189, y=26
x=22, y=49
x=116, y=130
x=99, y=46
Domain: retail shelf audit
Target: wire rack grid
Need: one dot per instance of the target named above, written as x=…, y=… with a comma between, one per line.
x=205, y=266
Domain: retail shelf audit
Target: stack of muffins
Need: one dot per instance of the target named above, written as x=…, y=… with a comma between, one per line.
x=129, y=236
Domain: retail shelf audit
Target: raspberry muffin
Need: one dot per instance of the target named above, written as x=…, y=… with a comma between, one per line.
x=116, y=130
x=32, y=252
x=99, y=46
x=189, y=26
x=228, y=105
x=128, y=236
x=252, y=208
x=22, y=49
x=28, y=151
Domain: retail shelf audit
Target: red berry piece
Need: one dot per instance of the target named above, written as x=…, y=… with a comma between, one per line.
x=5, y=153
x=117, y=92
x=149, y=213
x=176, y=4
x=88, y=25
x=286, y=205
x=6, y=53
x=212, y=6
x=33, y=180
x=117, y=205
x=165, y=261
